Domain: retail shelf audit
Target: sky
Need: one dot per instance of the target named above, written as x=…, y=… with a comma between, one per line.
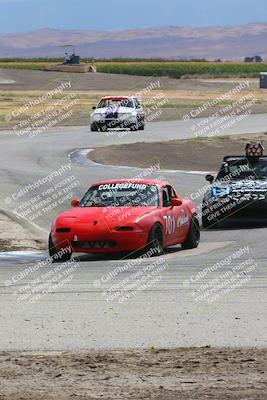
x=29, y=15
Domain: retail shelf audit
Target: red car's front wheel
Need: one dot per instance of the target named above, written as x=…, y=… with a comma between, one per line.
x=56, y=255
x=193, y=237
x=156, y=239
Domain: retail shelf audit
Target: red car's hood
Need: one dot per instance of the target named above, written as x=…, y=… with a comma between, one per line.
x=112, y=215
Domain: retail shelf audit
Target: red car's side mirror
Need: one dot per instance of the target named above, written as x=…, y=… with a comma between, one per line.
x=176, y=202
x=75, y=203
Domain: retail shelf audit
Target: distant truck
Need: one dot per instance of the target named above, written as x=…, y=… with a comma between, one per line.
x=71, y=59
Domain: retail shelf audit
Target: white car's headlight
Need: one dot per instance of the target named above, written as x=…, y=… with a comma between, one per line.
x=126, y=115
x=96, y=117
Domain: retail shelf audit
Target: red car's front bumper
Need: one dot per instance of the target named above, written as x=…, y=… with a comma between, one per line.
x=99, y=240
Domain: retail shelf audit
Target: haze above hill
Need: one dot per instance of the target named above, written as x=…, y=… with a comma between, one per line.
x=227, y=42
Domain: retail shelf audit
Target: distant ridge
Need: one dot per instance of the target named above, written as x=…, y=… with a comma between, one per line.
x=225, y=42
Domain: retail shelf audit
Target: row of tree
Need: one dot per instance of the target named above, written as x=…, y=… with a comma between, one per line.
x=253, y=59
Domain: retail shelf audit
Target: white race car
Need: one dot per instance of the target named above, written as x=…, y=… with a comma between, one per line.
x=118, y=112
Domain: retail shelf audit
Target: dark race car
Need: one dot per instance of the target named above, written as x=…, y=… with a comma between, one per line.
x=239, y=190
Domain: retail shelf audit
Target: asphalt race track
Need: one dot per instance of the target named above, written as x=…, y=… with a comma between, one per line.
x=77, y=315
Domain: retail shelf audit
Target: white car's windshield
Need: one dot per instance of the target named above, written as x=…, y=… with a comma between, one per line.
x=126, y=194
x=104, y=103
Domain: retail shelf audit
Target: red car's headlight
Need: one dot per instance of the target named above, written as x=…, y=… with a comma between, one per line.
x=124, y=228
x=63, y=230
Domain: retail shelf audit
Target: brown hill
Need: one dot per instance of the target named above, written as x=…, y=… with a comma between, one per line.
x=227, y=42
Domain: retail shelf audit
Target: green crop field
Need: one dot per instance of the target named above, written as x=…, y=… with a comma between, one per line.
x=173, y=69
x=180, y=69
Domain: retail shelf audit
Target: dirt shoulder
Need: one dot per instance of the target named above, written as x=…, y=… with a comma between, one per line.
x=196, y=154
x=192, y=373
x=13, y=237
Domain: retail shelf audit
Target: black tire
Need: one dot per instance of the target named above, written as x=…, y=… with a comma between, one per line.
x=142, y=127
x=193, y=237
x=156, y=239
x=134, y=128
x=53, y=253
x=94, y=128
x=103, y=128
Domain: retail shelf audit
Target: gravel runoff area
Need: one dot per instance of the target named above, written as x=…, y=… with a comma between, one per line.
x=170, y=100
x=195, y=154
x=13, y=237
x=185, y=373
x=18, y=79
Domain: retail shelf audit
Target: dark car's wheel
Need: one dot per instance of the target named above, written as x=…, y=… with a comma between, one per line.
x=56, y=255
x=103, y=128
x=156, y=240
x=141, y=127
x=94, y=128
x=134, y=127
x=193, y=237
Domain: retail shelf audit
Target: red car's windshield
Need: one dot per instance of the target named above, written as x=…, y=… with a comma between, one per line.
x=126, y=194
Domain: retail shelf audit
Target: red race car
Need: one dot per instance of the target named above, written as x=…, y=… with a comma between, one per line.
x=125, y=215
